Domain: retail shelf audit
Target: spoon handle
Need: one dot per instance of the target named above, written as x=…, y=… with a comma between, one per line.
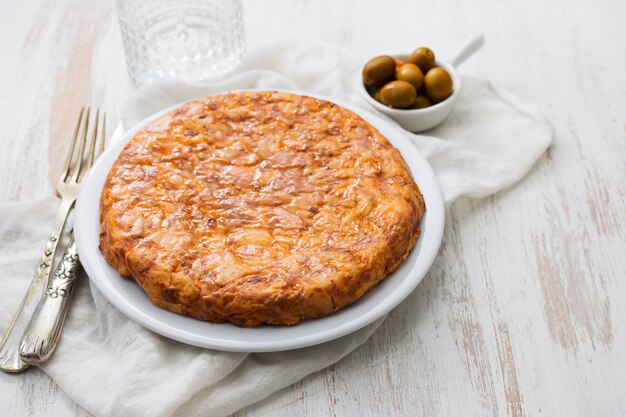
x=469, y=47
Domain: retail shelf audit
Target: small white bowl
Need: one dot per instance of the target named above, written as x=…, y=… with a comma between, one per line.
x=419, y=120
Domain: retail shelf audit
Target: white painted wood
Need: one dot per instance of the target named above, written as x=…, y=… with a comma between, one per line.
x=522, y=313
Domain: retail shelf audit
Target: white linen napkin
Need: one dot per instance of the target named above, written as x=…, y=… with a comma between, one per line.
x=114, y=367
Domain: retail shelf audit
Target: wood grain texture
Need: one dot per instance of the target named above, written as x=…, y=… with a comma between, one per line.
x=522, y=313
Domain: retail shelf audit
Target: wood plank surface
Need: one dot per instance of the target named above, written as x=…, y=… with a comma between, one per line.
x=522, y=313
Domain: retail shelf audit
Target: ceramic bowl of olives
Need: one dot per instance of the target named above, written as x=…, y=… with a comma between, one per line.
x=417, y=90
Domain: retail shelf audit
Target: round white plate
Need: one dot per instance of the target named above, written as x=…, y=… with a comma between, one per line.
x=130, y=299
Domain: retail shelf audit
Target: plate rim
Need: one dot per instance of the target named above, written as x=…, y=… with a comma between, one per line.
x=434, y=205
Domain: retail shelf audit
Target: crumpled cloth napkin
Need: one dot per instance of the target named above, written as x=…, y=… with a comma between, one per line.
x=114, y=367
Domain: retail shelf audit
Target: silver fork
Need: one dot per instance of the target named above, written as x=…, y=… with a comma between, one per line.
x=67, y=188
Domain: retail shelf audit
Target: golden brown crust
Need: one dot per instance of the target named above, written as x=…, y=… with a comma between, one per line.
x=258, y=207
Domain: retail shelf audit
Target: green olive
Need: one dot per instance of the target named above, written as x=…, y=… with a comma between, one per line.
x=398, y=94
x=421, y=102
x=411, y=74
x=379, y=70
x=424, y=58
x=438, y=84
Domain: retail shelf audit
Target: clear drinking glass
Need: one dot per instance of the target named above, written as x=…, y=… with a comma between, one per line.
x=184, y=40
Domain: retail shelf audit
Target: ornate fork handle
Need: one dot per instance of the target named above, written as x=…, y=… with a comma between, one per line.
x=9, y=355
x=43, y=331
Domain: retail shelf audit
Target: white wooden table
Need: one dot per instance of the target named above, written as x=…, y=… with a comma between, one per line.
x=523, y=312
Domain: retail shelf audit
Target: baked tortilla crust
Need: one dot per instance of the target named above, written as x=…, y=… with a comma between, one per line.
x=258, y=207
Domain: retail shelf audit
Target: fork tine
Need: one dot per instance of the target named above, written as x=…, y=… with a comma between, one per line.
x=68, y=159
x=103, y=136
x=81, y=149
x=92, y=142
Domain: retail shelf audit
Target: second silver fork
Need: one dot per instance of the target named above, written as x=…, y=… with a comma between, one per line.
x=75, y=168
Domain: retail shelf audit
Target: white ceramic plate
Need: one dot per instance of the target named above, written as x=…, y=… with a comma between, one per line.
x=130, y=299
